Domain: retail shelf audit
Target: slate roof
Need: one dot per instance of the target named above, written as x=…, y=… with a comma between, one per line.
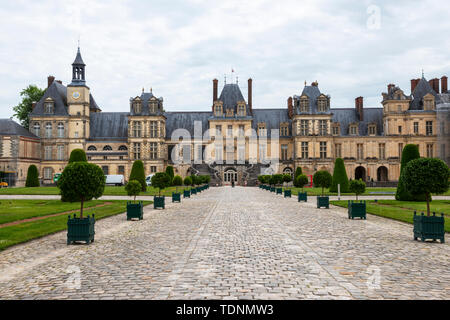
x=92, y=104
x=58, y=93
x=185, y=120
x=9, y=127
x=422, y=89
x=78, y=59
x=346, y=116
x=230, y=95
x=109, y=126
x=272, y=119
x=312, y=92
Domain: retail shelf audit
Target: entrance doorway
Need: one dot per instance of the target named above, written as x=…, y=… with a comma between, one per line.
x=382, y=174
x=360, y=173
x=229, y=175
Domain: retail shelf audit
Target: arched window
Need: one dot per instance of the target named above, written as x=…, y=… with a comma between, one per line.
x=36, y=128
x=107, y=148
x=123, y=148
x=48, y=130
x=60, y=130
x=92, y=148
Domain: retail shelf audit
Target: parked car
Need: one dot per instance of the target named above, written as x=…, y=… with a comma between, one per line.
x=148, y=180
x=115, y=180
x=3, y=184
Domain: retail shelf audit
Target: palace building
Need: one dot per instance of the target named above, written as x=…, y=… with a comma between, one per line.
x=307, y=132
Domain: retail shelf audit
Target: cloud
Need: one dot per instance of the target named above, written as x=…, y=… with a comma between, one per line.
x=178, y=47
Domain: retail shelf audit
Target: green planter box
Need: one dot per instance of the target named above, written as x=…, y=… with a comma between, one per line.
x=193, y=191
x=199, y=189
x=80, y=229
x=357, y=209
x=158, y=202
x=287, y=193
x=279, y=190
x=272, y=189
x=187, y=193
x=431, y=227
x=176, y=197
x=302, y=196
x=135, y=210
x=323, y=202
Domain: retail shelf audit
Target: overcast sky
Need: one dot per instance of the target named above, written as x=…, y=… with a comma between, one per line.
x=351, y=48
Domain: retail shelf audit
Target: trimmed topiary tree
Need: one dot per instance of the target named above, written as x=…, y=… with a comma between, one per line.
x=77, y=155
x=138, y=173
x=170, y=172
x=426, y=176
x=339, y=177
x=298, y=172
x=187, y=181
x=357, y=187
x=81, y=182
x=32, y=177
x=160, y=180
x=177, y=181
x=410, y=152
x=301, y=181
x=322, y=179
x=133, y=188
x=287, y=178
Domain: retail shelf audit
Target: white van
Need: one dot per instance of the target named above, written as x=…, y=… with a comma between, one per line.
x=115, y=180
x=148, y=179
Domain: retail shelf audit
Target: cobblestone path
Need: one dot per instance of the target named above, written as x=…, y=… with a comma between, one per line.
x=232, y=243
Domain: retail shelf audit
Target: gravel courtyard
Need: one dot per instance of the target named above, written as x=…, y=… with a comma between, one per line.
x=232, y=243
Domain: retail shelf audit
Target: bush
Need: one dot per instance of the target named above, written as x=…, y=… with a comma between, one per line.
x=77, y=155
x=278, y=178
x=322, y=179
x=138, y=173
x=261, y=178
x=410, y=152
x=298, y=172
x=80, y=182
x=287, y=178
x=161, y=180
x=177, y=181
x=170, y=172
x=133, y=188
x=32, y=177
x=272, y=180
x=426, y=176
x=357, y=187
x=301, y=181
x=339, y=177
x=187, y=181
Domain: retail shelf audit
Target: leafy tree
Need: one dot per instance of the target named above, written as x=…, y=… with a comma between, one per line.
x=161, y=180
x=133, y=188
x=170, y=172
x=426, y=176
x=177, y=181
x=138, y=173
x=187, y=181
x=339, y=177
x=410, y=152
x=29, y=95
x=322, y=179
x=77, y=155
x=80, y=182
x=298, y=172
x=278, y=178
x=32, y=177
x=357, y=187
x=287, y=178
x=301, y=181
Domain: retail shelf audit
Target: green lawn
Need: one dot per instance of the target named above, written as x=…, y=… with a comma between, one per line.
x=109, y=191
x=26, y=231
x=403, y=210
x=379, y=191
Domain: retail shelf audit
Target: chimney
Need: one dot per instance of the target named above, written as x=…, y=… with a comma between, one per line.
x=215, y=85
x=249, y=101
x=414, y=83
x=359, y=108
x=59, y=81
x=50, y=80
x=33, y=104
x=390, y=86
x=434, y=83
x=444, y=87
x=315, y=84
x=290, y=107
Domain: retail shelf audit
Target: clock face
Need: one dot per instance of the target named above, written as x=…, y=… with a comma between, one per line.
x=76, y=95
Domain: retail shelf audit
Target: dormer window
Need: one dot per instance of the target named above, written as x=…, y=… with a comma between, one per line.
x=153, y=106
x=284, y=130
x=137, y=107
x=92, y=148
x=335, y=130
x=241, y=110
x=262, y=131
x=372, y=129
x=428, y=104
x=218, y=110
x=304, y=104
x=353, y=129
x=36, y=129
x=107, y=148
x=322, y=104
x=49, y=106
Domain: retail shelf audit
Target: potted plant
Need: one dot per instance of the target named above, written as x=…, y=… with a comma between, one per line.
x=176, y=181
x=287, y=178
x=300, y=182
x=427, y=176
x=322, y=179
x=81, y=182
x=187, y=182
x=134, y=210
x=357, y=209
x=261, y=181
x=272, y=183
x=193, y=188
x=207, y=181
x=339, y=177
x=160, y=180
x=138, y=173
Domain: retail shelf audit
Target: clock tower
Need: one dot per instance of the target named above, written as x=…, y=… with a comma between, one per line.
x=78, y=102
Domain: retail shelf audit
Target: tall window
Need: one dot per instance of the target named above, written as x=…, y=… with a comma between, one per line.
x=399, y=129
x=60, y=153
x=305, y=154
x=360, y=151
x=120, y=170
x=153, y=150
x=230, y=130
x=241, y=110
x=48, y=152
x=48, y=130
x=382, y=151
x=36, y=129
x=218, y=130
x=338, y=150
x=60, y=130
x=136, y=150
x=262, y=152
x=48, y=106
x=304, y=127
x=153, y=169
x=429, y=150
x=153, y=129
x=284, y=152
x=105, y=170
x=218, y=110
x=322, y=105
x=304, y=104
x=241, y=130
x=284, y=131
x=241, y=153
x=400, y=150
x=137, y=129
x=323, y=127
x=323, y=149
x=48, y=173
x=429, y=128
x=416, y=127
